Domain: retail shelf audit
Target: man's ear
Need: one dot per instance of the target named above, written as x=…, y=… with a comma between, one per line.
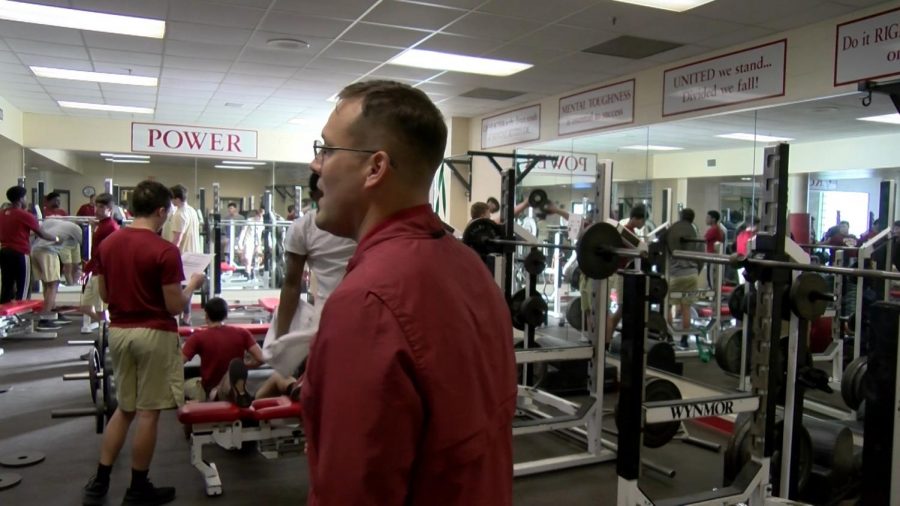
x=378, y=168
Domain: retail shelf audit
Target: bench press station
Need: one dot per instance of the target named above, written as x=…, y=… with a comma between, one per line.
x=15, y=325
x=273, y=422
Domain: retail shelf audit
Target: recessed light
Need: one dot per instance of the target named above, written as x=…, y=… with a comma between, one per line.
x=651, y=147
x=668, y=5
x=82, y=20
x=96, y=77
x=436, y=60
x=105, y=107
x=754, y=138
x=240, y=162
x=292, y=44
x=233, y=167
x=234, y=105
x=893, y=119
x=126, y=160
x=116, y=155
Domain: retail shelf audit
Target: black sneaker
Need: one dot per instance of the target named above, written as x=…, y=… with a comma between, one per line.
x=47, y=325
x=94, y=492
x=237, y=376
x=148, y=495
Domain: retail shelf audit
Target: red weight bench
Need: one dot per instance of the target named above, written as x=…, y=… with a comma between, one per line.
x=274, y=423
x=727, y=289
x=15, y=325
x=270, y=304
x=227, y=267
x=707, y=311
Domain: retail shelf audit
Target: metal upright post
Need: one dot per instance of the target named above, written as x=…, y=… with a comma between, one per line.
x=216, y=228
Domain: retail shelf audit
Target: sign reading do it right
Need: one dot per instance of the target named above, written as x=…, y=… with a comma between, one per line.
x=867, y=48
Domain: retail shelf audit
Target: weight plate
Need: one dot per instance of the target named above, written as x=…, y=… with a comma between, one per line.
x=94, y=371
x=738, y=452
x=478, y=235
x=594, y=259
x=515, y=309
x=535, y=262
x=660, y=355
x=736, y=303
x=22, y=459
x=658, y=289
x=533, y=311
x=851, y=381
x=804, y=290
x=538, y=198
x=680, y=236
x=573, y=313
x=9, y=480
x=658, y=434
x=728, y=350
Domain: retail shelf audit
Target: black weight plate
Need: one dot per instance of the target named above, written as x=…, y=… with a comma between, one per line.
x=594, y=260
x=478, y=235
x=738, y=450
x=538, y=198
x=573, y=313
x=803, y=288
x=533, y=311
x=849, y=381
x=736, y=302
x=858, y=383
x=660, y=355
x=22, y=459
x=94, y=372
x=515, y=309
x=658, y=434
x=9, y=480
x=658, y=289
x=535, y=262
x=728, y=350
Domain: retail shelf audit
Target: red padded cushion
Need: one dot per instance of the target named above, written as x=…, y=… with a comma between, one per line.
x=20, y=306
x=208, y=412
x=226, y=267
x=707, y=312
x=269, y=303
x=727, y=288
x=276, y=407
x=185, y=331
x=895, y=293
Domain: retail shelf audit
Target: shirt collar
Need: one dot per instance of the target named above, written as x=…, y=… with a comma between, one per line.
x=417, y=221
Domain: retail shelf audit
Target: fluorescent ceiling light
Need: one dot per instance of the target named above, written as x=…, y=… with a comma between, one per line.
x=105, y=107
x=668, y=5
x=239, y=162
x=126, y=160
x=893, y=119
x=116, y=155
x=651, y=147
x=82, y=20
x=437, y=60
x=233, y=167
x=97, y=77
x=755, y=138
x=746, y=179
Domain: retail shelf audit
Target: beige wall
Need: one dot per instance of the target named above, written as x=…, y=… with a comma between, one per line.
x=11, y=124
x=10, y=163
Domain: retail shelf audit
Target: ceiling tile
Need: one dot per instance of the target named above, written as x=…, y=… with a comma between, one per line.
x=342, y=66
x=259, y=40
x=459, y=4
x=188, y=75
x=50, y=61
x=152, y=10
x=677, y=54
x=459, y=44
x=8, y=57
x=124, y=89
x=47, y=49
x=542, y=12
x=126, y=57
x=409, y=15
x=352, y=51
x=489, y=26
x=14, y=68
x=300, y=25
x=807, y=16
x=399, y=72
x=368, y=33
x=525, y=54
x=260, y=69
x=129, y=99
x=173, y=85
x=566, y=38
x=120, y=68
x=30, y=31
x=339, y=9
x=195, y=32
x=233, y=16
x=67, y=83
x=179, y=62
x=749, y=13
x=202, y=50
x=731, y=39
x=249, y=81
x=294, y=59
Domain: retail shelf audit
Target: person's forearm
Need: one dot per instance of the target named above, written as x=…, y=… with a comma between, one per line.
x=287, y=306
x=176, y=237
x=188, y=293
x=46, y=236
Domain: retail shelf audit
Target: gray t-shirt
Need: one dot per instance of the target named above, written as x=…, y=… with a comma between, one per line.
x=69, y=233
x=679, y=267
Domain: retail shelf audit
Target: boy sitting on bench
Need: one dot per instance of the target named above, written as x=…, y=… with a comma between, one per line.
x=223, y=372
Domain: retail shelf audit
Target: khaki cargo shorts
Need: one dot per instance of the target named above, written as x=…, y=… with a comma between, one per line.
x=70, y=254
x=149, y=372
x=689, y=283
x=91, y=295
x=45, y=264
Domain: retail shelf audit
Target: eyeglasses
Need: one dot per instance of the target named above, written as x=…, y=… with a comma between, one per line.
x=320, y=149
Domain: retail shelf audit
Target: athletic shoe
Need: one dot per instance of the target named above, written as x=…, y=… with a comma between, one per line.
x=94, y=492
x=90, y=328
x=237, y=376
x=47, y=325
x=148, y=495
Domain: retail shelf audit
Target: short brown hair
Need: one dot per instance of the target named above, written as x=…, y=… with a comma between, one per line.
x=179, y=192
x=148, y=196
x=478, y=210
x=412, y=123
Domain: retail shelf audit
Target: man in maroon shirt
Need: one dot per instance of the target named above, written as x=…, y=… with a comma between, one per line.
x=16, y=226
x=51, y=205
x=410, y=385
x=140, y=278
x=223, y=372
x=715, y=232
x=92, y=306
x=88, y=209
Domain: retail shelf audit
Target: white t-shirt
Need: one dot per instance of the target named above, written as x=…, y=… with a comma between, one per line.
x=184, y=219
x=327, y=254
x=69, y=233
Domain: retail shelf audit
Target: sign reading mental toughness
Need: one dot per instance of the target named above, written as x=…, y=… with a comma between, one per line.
x=743, y=76
x=521, y=125
x=598, y=108
x=867, y=48
x=192, y=140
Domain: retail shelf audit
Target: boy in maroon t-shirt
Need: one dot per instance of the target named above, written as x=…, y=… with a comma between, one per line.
x=92, y=307
x=223, y=372
x=16, y=226
x=140, y=276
